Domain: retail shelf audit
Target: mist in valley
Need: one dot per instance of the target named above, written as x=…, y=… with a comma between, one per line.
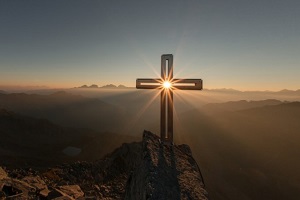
x=244, y=142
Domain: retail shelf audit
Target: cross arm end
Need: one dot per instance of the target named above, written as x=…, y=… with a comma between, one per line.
x=147, y=83
x=188, y=84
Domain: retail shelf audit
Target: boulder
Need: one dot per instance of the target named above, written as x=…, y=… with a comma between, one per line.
x=38, y=183
x=72, y=190
x=56, y=194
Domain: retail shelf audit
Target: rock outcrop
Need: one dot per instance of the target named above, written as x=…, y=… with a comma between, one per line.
x=165, y=172
x=144, y=170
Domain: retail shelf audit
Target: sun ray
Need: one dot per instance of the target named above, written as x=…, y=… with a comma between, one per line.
x=135, y=119
x=166, y=85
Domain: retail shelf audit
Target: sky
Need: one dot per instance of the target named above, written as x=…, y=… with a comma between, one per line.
x=239, y=44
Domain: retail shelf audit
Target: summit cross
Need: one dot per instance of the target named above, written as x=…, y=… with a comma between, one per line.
x=167, y=84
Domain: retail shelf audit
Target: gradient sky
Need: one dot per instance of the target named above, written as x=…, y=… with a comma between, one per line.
x=240, y=44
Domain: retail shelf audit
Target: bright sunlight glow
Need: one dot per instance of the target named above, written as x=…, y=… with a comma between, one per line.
x=167, y=84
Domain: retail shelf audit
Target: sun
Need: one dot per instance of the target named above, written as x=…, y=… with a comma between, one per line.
x=167, y=84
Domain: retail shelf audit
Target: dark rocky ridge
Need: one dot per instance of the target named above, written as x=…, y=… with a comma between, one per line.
x=144, y=170
x=165, y=172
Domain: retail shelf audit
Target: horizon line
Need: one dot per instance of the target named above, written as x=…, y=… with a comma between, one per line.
x=43, y=87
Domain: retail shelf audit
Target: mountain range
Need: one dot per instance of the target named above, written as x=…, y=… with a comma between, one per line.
x=108, y=86
x=35, y=142
x=64, y=109
x=246, y=149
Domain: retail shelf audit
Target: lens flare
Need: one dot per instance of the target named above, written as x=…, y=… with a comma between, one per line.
x=167, y=84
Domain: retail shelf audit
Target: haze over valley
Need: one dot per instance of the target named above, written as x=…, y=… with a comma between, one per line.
x=244, y=142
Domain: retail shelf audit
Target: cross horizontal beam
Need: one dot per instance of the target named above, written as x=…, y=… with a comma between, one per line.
x=181, y=84
x=166, y=91
x=187, y=84
x=153, y=83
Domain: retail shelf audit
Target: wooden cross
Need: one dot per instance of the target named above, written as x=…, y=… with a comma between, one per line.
x=167, y=84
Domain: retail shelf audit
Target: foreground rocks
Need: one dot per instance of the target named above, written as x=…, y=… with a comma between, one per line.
x=165, y=172
x=145, y=170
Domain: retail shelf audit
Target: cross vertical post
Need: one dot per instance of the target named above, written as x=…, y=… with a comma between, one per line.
x=166, y=104
x=167, y=84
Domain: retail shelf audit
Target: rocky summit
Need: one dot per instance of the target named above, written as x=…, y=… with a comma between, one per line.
x=165, y=172
x=139, y=170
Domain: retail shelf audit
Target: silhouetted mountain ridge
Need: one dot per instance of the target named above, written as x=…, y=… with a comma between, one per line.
x=252, y=91
x=65, y=109
x=247, y=145
x=240, y=105
x=108, y=86
x=39, y=143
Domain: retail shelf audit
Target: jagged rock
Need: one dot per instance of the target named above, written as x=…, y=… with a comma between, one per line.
x=166, y=172
x=13, y=188
x=3, y=174
x=38, y=183
x=57, y=194
x=51, y=174
x=72, y=190
x=11, y=192
x=35, y=181
x=44, y=193
x=139, y=170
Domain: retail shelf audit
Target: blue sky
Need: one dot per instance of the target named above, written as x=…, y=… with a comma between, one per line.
x=240, y=44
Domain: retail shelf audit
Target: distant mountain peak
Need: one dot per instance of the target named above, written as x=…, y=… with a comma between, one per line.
x=91, y=86
x=121, y=86
x=108, y=86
